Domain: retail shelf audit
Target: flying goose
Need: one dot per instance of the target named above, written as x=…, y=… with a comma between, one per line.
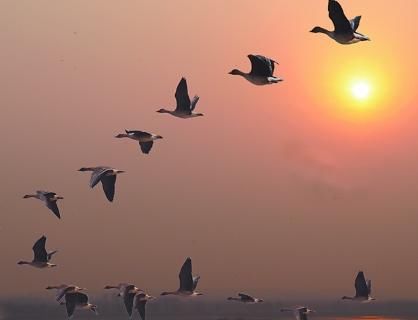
x=140, y=300
x=245, y=298
x=262, y=69
x=49, y=198
x=145, y=139
x=363, y=289
x=41, y=257
x=127, y=292
x=301, y=313
x=185, y=107
x=188, y=283
x=63, y=289
x=345, y=31
x=107, y=176
x=78, y=300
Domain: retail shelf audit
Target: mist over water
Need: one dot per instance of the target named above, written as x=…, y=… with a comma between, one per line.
x=111, y=308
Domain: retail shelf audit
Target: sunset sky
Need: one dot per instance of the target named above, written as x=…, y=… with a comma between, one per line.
x=282, y=190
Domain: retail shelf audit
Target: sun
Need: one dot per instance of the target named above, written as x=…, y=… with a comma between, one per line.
x=360, y=90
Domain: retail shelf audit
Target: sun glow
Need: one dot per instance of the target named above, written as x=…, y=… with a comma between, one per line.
x=361, y=90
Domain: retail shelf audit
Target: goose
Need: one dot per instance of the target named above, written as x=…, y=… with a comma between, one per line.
x=363, y=289
x=127, y=292
x=49, y=198
x=185, y=107
x=121, y=287
x=345, y=31
x=107, y=176
x=262, y=69
x=145, y=139
x=78, y=300
x=139, y=302
x=188, y=283
x=41, y=256
x=245, y=298
x=63, y=289
x=301, y=313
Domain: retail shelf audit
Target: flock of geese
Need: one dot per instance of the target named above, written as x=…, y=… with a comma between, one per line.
x=134, y=298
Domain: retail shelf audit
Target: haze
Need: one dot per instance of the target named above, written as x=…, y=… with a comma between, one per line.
x=273, y=191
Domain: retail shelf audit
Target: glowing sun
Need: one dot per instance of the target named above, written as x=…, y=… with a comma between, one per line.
x=360, y=90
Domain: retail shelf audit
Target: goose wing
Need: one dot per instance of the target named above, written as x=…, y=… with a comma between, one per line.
x=195, y=282
x=185, y=276
x=140, y=305
x=245, y=297
x=340, y=21
x=108, y=184
x=261, y=66
x=128, y=300
x=52, y=205
x=355, y=23
x=300, y=314
x=39, y=251
x=74, y=299
x=361, y=286
x=146, y=146
x=97, y=175
x=182, y=96
x=369, y=286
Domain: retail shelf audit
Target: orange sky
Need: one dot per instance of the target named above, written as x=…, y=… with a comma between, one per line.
x=289, y=190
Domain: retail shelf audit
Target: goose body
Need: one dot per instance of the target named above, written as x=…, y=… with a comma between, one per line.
x=301, y=313
x=41, y=257
x=188, y=283
x=140, y=300
x=78, y=300
x=49, y=198
x=63, y=289
x=121, y=287
x=262, y=69
x=245, y=298
x=145, y=139
x=185, y=106
x=345, y=31
x=363, y=289
x=105, y=175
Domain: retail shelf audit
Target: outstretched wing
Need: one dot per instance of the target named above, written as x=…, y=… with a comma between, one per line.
x=340, y=21
x=246, y=297
x=369, y=286
x=52, y=205
x=182, y=96
x=97, y=175
x=146, y=146
x=39, y=251
x=355, y=23
x=128, y=299
x=185, y=276
x=361, y=286
x=140, y=306
x=261, y=66
x=108, y=183
x=195, y=282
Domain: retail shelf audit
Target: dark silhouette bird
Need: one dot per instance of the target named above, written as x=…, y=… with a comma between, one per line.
x=185, y=107
x=188, y=283
x=49, y=198
x=41, y=257
x=78, y=300
x=262, y=69
x=301, y=313
x=363, y=289
x=145, y=139
x=107, y=176
x=245, y=298
x=345, y=31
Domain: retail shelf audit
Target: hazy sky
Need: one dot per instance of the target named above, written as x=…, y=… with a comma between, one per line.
x=279, y=190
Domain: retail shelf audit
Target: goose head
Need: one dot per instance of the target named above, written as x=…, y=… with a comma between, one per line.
x=121, y=135
x=162, y=110
x=236, y=72
x=23, y=262
x=319, y=30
